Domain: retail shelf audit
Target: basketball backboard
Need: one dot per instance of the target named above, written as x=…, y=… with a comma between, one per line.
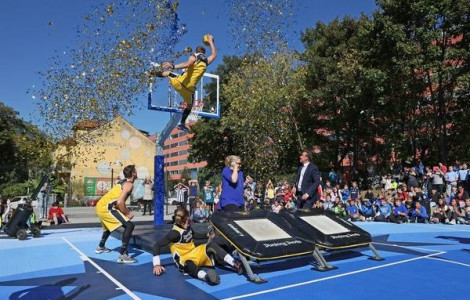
x=206, y=98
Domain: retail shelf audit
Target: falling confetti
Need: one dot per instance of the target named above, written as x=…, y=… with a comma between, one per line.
x=261, y=25
x=107, y=68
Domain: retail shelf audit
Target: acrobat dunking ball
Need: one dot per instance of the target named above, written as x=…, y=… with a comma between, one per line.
x=205, y=39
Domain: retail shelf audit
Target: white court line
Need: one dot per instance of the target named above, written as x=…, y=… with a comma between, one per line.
x=449, y=261
x=120, y=285
x=406, y=247
x=334, y=276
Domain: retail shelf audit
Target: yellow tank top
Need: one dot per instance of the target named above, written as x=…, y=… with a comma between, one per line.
x=194, y=73
x=185, y=243
x=111, y=196
x=270, y=193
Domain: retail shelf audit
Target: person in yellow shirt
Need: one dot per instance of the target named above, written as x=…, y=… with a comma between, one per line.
x=113, y=213
x=186, y=83
x=190, y=258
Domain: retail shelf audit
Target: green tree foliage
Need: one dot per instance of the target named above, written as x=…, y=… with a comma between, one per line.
x=423, y=47
x=24, y=149
x=338, y=114
x=257, y=121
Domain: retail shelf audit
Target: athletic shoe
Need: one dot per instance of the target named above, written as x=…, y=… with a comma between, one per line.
x=238, y=266
x=126, y=259
x=100, y=250
x=212, y=278
x=182, y=127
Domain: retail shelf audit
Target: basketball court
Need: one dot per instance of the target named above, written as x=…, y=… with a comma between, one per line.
x=421, y=261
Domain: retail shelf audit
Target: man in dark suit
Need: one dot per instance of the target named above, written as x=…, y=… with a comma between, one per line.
x=308, y=179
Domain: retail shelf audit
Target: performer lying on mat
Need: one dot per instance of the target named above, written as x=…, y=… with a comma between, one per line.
x=189, y=258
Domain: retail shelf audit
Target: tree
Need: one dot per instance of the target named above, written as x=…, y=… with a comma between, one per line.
x=338, y=113
x=25, y=150
x=257, y=121
x=423, y=46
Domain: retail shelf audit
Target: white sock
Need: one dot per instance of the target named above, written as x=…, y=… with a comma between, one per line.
x=229, y=259
x=201, y=274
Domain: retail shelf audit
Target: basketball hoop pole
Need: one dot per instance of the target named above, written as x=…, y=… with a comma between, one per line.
x=159, y=163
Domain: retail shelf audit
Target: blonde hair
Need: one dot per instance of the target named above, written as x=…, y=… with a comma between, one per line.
x=230, y=159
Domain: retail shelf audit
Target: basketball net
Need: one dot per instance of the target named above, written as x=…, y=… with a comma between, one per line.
x=198, y=104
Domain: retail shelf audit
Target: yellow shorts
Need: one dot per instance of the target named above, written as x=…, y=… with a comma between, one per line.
x=111, y=219
x=198, y=255
x=185, y=92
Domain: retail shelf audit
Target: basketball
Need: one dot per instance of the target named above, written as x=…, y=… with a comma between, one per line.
x=205, y=39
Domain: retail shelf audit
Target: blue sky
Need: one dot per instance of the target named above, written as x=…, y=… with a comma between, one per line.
x=28, y=40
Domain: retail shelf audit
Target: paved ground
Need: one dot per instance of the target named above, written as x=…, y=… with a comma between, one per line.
x=87, y=215
x=431, y=260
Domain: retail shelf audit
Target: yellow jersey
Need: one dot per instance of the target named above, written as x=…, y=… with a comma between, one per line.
x=194, y=73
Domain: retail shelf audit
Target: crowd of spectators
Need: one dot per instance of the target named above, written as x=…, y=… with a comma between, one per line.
x=437, y=194
x=419, y=194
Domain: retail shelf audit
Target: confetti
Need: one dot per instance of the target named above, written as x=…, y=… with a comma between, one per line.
x=261, y=25
x=106, y=69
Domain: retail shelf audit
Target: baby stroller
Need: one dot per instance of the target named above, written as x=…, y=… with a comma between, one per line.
x=19, y=223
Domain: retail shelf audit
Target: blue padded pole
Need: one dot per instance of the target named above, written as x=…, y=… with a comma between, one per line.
x=159, y=195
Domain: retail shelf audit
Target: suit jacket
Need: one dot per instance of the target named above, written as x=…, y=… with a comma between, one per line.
x=310, y=181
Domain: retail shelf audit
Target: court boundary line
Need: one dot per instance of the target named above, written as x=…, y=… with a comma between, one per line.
x=433, y=258
x=443, y=226
x=449, y=261
x=334, y=276
x=114, y=280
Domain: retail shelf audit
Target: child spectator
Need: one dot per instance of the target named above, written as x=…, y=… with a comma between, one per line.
x=209, y=196
x=353, y=210
x=456, y=215
x=383, y=212
x=399, y=214
x=328, y=205
x=410, y=206
x=290, y=205
x=57, y=215
x=367, y=209
x=467, y=211
x=440, y=212
x=200, y=213
x=318, y=207
x=280, y=192
x=248, y=194
x=193, y=187
x=270, y=193
x=288, y=193
x=340, y=211
x=452, y=195
x=259, y=193
x=345, y=193
x=250, y=205
x=276, y=207
x=378, y=201
x=218, y=191
x=334, y=193
x=419, y=214
x=354, y=191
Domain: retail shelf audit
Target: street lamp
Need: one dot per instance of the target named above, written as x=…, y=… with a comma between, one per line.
x=117, y=163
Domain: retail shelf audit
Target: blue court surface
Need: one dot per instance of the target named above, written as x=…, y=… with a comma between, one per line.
x=422, y=261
